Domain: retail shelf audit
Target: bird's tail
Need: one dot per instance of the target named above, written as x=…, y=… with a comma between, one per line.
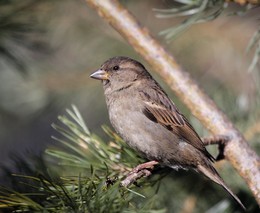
x=209, y=171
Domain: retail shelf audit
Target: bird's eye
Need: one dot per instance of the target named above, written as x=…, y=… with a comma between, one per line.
x=116, y=68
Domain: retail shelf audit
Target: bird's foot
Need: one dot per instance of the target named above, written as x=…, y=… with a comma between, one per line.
x=144, y=166
x=220, y=140
x=142, y=170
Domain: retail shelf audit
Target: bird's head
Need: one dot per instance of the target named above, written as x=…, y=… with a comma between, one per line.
x=119, y=72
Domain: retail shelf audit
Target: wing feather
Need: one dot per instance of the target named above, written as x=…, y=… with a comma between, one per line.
x=159, y=108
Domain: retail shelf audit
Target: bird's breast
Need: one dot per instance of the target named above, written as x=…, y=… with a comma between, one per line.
x=147, y=137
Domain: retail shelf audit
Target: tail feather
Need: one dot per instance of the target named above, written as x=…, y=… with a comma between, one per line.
x=211, y=173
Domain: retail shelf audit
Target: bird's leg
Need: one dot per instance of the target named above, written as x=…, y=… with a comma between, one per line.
x=215, y=139
x=148, y=166
x=142, y=170
x=220, y=140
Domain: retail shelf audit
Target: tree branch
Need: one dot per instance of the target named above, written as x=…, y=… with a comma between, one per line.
x=237, y=150
x=243, y=2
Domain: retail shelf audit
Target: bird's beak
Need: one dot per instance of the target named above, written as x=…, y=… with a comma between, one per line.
x=100, y=75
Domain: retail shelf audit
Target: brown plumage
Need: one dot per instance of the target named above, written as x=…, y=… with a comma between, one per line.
x=149, y=122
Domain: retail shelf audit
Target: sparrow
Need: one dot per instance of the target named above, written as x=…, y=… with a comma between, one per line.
x=150, y=123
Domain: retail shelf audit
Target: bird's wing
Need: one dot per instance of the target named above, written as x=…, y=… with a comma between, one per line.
x=160, y=109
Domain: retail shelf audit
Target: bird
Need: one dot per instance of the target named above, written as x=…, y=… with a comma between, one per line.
x=150, y=123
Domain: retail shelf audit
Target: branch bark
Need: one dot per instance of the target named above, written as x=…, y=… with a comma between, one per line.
x=237, y=150
x=243, y=2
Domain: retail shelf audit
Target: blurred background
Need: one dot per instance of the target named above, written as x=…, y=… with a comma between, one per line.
x=49, y=48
